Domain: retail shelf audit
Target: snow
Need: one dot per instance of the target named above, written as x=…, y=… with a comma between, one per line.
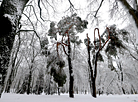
x=64, y=98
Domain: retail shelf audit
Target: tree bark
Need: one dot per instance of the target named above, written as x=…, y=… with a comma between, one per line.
x=10, y=15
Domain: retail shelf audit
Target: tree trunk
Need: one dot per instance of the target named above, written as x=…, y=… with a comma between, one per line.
x=91, y=70
x=92, y=75
x=10, y=14
x=58, y=90
x=94, y=88
x=95, y=74
x=29, y=82
x=71, y=92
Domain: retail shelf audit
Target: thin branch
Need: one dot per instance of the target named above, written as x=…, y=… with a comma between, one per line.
x=98, y=9
x=33, y=27
x=64, y=49
x=34, y=12
x=71, y=3
x=24, y=31
x=133, y=56
x=39, y=2
x=51, y=6
x=40, y=9
x=62, y=44
x=72, y=8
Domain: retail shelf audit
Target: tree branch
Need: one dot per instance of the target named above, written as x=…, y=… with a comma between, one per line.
x=71, y=4
x=131, y=10
x=40, y=9
x=39, y=2
x=133, y=56
x=98, y=8
x=33, y=27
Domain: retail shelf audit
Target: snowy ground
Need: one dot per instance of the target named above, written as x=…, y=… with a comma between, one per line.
x=65, y=98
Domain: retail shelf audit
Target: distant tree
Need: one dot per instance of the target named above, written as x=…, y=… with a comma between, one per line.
x=39, y=82
x=24, y=86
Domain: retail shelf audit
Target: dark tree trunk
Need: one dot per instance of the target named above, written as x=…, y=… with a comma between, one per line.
x=10, y=14
x=71, y=92
x=94, y=88
x=95, y=74
x=91, y=70
x=29, y=82
x=58, y=90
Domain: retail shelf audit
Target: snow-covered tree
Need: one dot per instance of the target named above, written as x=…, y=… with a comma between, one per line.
x=55, y=67
x=68, y=27
x=10, y=15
